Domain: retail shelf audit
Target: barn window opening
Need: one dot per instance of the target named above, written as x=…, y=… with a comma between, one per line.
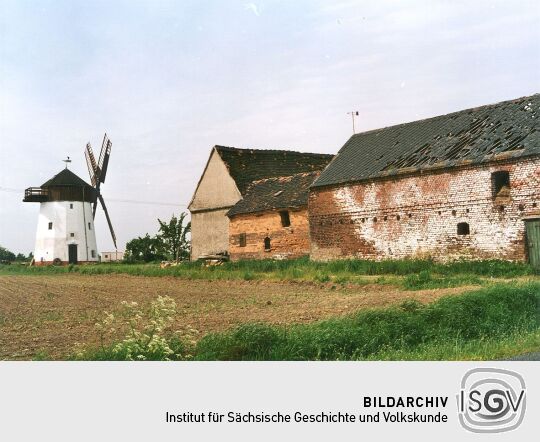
x=534, y=204
x=500, y=183
x=93, y=253
x=410, y=215
x=50, y=226
x=398, y=217
x=521, y=207
x=463, y=229
x=385, y=218
x=285, y=218
x=454, y=213
x=242, y=240
x=267, y=244
x=375, y=219
x=89, y=226
x=71, y=206
x=72, y=234
x=501, y=209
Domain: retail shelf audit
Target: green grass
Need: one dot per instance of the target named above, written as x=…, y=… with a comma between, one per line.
x=477, y=324
x=409, y=274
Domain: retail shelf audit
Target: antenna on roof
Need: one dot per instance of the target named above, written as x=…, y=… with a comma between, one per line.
x=67, y=161
x=353, y=114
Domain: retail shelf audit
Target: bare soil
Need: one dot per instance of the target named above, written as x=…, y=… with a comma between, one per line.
x=48, y=315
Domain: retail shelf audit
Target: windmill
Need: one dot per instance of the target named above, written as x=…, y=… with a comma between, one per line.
x=98, y=171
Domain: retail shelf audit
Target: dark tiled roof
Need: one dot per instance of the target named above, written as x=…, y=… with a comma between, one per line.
x=65, y=178
x=499, y=131
x=247, y=165
x=275, y=193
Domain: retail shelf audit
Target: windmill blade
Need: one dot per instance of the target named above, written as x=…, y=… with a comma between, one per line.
x=91, y=162
x=108, y=220
x=104, y=155
x=94, y=210
x=90, y=168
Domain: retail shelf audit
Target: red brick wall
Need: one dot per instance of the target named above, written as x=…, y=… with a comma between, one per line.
x=286, y=242
x=417, y=216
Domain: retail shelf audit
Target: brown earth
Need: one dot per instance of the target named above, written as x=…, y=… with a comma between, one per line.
x=48, y=315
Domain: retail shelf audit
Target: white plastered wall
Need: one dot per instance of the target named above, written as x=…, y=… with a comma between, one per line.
x=72, y=223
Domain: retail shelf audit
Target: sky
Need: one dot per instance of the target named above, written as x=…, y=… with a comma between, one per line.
x=167, y=80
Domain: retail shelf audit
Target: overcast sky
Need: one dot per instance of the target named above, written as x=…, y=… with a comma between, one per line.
x=168, y=80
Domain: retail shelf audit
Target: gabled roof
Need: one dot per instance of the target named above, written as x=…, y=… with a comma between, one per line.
x=248, y=165
x=65, y=178
x=287, y=192
x=509, y=129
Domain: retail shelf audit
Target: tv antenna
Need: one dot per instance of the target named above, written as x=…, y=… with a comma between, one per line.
x=353, y=114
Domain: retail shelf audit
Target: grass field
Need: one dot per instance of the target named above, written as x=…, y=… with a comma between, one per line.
x=47, y=313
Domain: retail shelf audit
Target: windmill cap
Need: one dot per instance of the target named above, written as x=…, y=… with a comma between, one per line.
x=65, y=178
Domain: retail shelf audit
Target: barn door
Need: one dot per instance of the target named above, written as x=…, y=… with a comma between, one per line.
x=533, y=242
x=72, y=253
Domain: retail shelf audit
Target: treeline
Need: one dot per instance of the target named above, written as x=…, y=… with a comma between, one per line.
x=7, y=256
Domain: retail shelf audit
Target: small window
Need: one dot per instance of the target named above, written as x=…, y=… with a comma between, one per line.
x=500, y=183
x=267, y=244
x=242, y=240
x=93, y=253
x=463, y=229
x=89, y=226
x=50, y=226
x=285, y=219
x=72, y=234
x=71, y=206
x=106, y=256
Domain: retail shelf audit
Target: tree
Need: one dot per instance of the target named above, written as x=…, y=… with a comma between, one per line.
x=146, y=248
x=171, y=242
x=174, y=237
x=6, y=255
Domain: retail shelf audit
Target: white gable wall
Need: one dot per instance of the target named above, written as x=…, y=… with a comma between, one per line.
x=215, y=194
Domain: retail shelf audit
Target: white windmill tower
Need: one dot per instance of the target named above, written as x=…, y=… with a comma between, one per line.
x=65, y=231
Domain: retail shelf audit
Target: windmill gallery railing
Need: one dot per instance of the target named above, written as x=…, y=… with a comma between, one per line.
x=35, y=194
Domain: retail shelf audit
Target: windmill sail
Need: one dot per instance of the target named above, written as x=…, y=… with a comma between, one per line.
x=98, y=171
x=108, y=220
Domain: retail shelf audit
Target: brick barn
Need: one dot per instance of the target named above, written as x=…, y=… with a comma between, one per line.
x=462, y=185
x=226, y=178
x=271, y=220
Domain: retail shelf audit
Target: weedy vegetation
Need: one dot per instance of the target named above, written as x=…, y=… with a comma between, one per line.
x=479, y=324
x=408, y=274
x=492, y=322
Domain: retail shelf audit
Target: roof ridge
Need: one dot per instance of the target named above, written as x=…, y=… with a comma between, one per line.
x=249, y=149
x=435, y=117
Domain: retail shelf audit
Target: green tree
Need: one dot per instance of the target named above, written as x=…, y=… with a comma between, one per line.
x=6, y=255
x=147, y=248
x=174, y=237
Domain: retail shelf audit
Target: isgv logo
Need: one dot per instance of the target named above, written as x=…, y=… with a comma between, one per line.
x=491, y=400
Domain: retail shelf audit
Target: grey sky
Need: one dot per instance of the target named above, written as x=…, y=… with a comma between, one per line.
x=169, y=79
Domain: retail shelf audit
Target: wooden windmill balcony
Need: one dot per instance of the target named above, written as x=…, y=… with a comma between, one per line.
x=35, y=195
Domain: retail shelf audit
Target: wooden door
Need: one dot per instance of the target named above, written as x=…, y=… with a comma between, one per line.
x=533, y=242
x=72, y=253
